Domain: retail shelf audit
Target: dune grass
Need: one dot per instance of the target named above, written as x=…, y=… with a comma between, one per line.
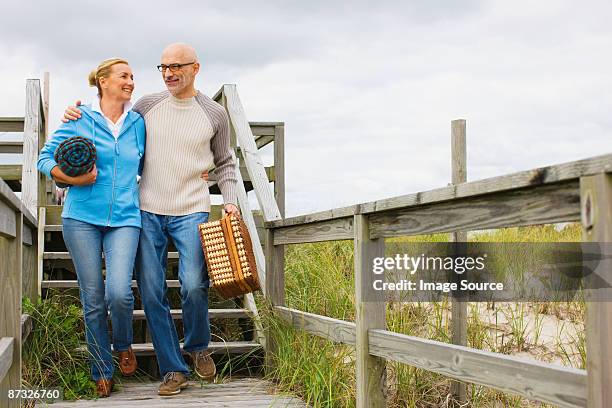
x=319, y=279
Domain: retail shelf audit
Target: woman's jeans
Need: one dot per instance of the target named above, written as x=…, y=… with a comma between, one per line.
x=86, y=242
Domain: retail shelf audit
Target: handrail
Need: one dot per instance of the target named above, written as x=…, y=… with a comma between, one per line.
x=7, y=344
x=525, y=179
x=545, y=195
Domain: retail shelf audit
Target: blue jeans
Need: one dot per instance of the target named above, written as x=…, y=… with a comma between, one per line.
x=151, y=262
x=85, y=243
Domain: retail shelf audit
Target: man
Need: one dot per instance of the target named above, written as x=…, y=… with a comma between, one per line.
x=187, y=133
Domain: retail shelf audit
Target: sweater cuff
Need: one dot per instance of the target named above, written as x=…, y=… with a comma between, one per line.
x=47, y=167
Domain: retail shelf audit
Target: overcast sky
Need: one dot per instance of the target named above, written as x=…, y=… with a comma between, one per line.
x=367, y=90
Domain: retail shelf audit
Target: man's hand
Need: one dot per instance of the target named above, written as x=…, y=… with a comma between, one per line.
x=231, y=209
x=204, y=176
x=72, y=113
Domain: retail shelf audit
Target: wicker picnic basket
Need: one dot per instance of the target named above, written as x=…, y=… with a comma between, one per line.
x=229, y=256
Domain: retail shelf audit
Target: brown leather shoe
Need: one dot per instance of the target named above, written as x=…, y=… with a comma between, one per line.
x=172, y=384
x=127, y=362
x=203, y=365
x=104, y=387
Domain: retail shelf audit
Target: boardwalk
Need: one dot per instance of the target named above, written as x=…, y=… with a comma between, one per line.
x=247, y=392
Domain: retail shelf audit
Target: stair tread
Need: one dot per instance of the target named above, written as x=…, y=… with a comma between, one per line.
x=66, y=255
x=212, y=313
x=172, y=283
x=215, y=347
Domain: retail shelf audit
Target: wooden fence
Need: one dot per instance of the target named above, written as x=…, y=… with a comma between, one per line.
x=553, y=194
x=19, y=237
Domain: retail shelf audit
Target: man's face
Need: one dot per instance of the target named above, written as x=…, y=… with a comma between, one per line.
x=183, y=78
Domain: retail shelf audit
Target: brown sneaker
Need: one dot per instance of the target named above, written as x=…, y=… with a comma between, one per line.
x=172, y=384
x=204, y=365
x=127, y=362
x=104, y=387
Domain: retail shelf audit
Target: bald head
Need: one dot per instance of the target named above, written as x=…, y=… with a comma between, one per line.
x=181, y=51
x=180, y=79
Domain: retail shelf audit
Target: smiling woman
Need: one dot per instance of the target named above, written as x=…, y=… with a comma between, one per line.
x=101, y=214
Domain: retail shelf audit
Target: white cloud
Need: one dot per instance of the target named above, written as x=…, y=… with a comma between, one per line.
x=367, y=91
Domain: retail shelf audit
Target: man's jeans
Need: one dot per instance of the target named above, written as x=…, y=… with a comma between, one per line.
x=85, y=243
x=151, y=265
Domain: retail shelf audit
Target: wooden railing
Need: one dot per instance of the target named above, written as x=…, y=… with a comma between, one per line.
x=19, y=240
x=554, y=194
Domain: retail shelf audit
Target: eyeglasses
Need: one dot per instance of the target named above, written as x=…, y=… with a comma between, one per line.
x=172, y=67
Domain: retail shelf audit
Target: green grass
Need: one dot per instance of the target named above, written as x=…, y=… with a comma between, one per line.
x=48, y=356
x=319, y=279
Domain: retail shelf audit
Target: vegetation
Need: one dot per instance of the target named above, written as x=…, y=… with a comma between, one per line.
x=319, y=279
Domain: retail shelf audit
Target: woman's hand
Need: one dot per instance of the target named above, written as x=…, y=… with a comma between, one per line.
x=82, y=180
x=204, y=175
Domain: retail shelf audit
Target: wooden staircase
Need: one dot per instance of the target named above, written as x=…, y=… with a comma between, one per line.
x=58, y=274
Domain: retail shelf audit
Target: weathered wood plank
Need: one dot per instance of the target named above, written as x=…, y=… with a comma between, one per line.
x=11, y=124
x=26, y=326
x=275, y=270
x=177, y=314
x=27, y=235
x=248, y=392
x=270, y=173
x=66, y=255
x=543, y=205
x=11, y=261
x=10, y=172
x=215, y=347
x=7, y=344
x=54, y=216
x=339, y=331
x=332, y=230
x=11, y=147
x=370, y=371
x=530, y=178
x=8, y=196
x=251, y=155
x=458, y=308
x=279, y=168
x=8, y=221
x=563, y=386
x=596, y=211
x=247, y=216
x=40, y=259
x=67, y=284
x=31, y=133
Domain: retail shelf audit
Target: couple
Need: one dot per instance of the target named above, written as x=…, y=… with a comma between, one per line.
x=108, y=211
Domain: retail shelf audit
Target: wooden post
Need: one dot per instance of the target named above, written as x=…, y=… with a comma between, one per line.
x=369, y=314
x=42, y=220
x=274, y=290
x=31, y=131
x=459, y=308
x=11, y=265
x=596, y=214
x=279, y=167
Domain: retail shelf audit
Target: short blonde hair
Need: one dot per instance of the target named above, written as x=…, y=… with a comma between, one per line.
x=103, y=71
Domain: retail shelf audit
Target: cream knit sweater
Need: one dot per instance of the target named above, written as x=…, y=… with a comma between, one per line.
x=184, y=138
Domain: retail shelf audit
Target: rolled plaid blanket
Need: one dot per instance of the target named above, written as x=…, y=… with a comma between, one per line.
x=75, y=156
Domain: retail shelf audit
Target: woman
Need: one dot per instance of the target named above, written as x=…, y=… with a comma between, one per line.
x=101, y=214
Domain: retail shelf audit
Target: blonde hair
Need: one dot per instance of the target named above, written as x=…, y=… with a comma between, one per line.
x=103, y=71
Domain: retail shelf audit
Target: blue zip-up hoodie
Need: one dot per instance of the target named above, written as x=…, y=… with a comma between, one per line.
x=113, y=199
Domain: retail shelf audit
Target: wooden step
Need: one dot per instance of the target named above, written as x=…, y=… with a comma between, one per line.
x=177, y=314
x=215, y=347
x=10, y=172
x=66, y=284
x=66, y=255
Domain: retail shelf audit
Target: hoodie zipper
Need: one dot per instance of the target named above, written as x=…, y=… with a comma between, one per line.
x=110, y=213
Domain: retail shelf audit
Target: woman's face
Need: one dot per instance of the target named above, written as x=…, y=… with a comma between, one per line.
x=119, y=84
